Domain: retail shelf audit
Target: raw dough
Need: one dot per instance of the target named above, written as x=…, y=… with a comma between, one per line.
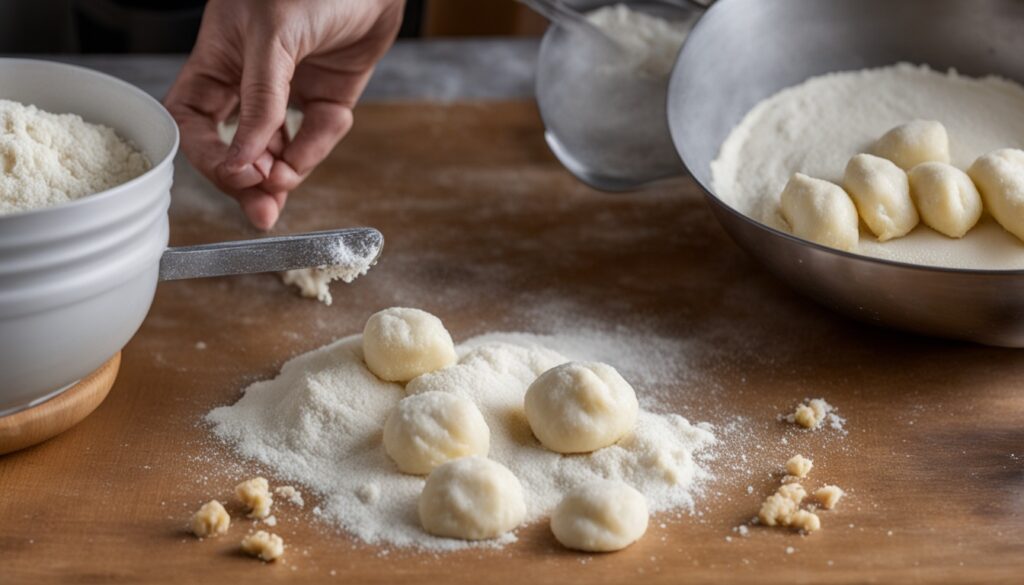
x=601, y=516
x=815, y=127
x=913, y=143
x=999, y=176
x=799, y=466
x=211, y=520
x=820, y=211
x=829, y=496
x=881, y=192
x=471, y=498
x=810, y=415
x=264, y=545
x=946, y=198
x=783, y=509
x=428, y=429
x=255, y=495
x=400, y=344
x=579, y=407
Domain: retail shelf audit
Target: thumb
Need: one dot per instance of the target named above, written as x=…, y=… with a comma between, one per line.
x=266, y=78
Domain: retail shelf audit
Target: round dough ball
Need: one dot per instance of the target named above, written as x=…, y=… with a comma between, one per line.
x=602, y=516
x=428, y=429
x=820, y=211
x=946, y=198
x=579, y=407
x=471, y=498
x=914, y=143
x=881, y=192
x=999, y=176
x=400, y=344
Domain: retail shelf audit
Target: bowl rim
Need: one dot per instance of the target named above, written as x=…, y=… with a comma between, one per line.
x=674, y=81
x=155, y=169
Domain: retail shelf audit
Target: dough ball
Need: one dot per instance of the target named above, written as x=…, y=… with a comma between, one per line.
x=428, y=429
x=914, y=143
x=579, y=407
x=946, y=198
x=820, y=211
x=601, y=516
x=471, y=498
x=881, y=192
x=999, y=176
x=400, y=344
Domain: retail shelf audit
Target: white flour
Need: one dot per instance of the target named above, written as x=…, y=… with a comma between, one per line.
x=319, y=423
x=48, y=159
x=607, y=107
x=651, y=42
x=815, y=128
x=314, y=283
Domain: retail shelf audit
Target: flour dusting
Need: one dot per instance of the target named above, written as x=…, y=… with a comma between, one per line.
x=816, y=126
x=319, y=424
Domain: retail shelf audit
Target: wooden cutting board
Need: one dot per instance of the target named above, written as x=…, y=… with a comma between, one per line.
x=486, y=230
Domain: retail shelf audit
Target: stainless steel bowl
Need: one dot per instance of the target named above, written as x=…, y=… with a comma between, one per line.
x=742, y=51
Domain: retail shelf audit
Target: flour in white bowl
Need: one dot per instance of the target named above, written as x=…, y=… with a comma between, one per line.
x=48, y=159
x=319, y=423
x=816, y=126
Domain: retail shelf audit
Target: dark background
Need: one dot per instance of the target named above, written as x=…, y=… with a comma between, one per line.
x=170, y=26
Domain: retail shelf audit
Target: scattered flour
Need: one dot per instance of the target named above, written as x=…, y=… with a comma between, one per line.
x=816, y=126
x=48, y=159
x=319, y=423
x=314, y=283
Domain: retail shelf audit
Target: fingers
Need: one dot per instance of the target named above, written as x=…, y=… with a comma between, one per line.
x=262, y=208
x=324, y=124
x=266, y=79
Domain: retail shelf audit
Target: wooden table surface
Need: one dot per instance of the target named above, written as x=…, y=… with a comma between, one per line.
x=486, y=230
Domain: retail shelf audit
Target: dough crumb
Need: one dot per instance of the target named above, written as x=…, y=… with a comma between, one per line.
x=811, y=414
x=798, y=466
x=290, y=494
x=263, y=545
x=805, y=521
x=783, y=509
x=829, y=496
x=255, y=495
x=211, y=520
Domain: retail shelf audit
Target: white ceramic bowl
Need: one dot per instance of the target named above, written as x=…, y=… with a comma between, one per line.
x=76, y=280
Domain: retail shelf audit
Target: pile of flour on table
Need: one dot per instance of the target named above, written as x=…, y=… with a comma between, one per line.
x=319, y=423
x=816, y=126
x=48, y=159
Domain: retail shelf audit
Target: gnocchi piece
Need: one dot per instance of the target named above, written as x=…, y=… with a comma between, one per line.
x=211, y=520
x=601, y=516
x=471, y=498
x=400, y=344
x=263, y=545
x=913, y=143
x=829, y=496
x=579, y=407
x=820, y=211
x=255, y=495
x=946, y=198
x=799, y=466
x=428, y=429
x=999, y=176
x=881, y=192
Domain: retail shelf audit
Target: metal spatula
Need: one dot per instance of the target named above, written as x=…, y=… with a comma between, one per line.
x=345, y=247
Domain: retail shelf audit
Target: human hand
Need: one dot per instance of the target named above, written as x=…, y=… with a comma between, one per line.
x=255, y=58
